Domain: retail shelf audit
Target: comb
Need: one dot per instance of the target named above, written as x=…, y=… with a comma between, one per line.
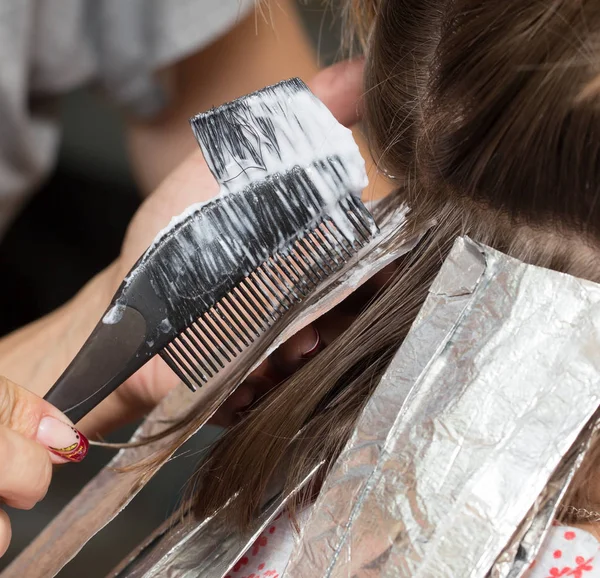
x=287, y=217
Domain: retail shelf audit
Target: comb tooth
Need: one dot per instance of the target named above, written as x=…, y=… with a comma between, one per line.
x=221, y=308
x=224, y=330
x=350, y=242
x=316, y=256
x=305, y=259
x=312, y=197
x=329, y=255
x=332, y=229
x=168, y=359
x=300, y=279
x=363, y=214
x=253, y=308
x=256, y=289
x=358, y=211
x=323, y=242
x=355, y=222
x=262, y=280
x=280, y=293
x=353, y=218
x=230, y=300
x=294, y=260
x=202, y=346
x=195, y=337
x=329, y=244
x=248, y=291
x=288, y=279
x=218, y=336
x=189, y=346
x=292, y=280
x=205, y=325
x=183, y=367
x=308, y=263
x=186, y=361
x=334, y=242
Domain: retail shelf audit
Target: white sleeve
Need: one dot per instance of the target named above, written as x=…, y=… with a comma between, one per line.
x=120, y=44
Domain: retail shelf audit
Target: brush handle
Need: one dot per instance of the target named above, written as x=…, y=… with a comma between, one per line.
x=91, y=377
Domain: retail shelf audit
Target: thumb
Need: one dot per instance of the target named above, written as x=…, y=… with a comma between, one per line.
x=340, y=88
x=36, y=419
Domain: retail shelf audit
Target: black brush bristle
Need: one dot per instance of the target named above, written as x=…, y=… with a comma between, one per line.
x=288, y=218
x=244, y=129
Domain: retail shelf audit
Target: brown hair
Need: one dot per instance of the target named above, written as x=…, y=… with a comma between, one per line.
x=488, y=112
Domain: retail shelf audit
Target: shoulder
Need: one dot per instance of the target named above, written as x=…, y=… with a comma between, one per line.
x=567, y=552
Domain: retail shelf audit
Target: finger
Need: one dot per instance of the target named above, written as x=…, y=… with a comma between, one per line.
x=25, y=470
x=260, y=385
x=261, y=380
x=332, y=325
x=30, y=416
x=294, y=352
x=5, y=532
x=340, y=88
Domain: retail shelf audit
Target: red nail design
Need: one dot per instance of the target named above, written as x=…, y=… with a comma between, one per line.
x=76, y=451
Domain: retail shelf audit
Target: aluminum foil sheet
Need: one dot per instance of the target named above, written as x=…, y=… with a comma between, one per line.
x=517, y=557
x=456, y=465
x=191, y=548
x=117, y=484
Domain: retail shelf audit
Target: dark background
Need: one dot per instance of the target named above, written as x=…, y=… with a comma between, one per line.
x=71, y=229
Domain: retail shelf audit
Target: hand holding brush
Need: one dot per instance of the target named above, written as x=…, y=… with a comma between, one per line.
x=37, y=354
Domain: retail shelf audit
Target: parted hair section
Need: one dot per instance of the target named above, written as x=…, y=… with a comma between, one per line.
x=495, y=102
x=488, y=113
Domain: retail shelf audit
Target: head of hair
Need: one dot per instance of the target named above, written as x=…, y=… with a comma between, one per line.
x=488, y=113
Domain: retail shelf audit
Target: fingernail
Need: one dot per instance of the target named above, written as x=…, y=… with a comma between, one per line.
x=62, y=439
x=314, y=348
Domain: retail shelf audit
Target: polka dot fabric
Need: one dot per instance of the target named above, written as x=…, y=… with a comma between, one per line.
x=567, y=553
x=270, y=554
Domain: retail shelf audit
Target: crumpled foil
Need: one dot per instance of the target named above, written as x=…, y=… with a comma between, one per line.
x=464, y=451
x=192, y=548
x=117, y=483
x=517, y=557
x=458, y=460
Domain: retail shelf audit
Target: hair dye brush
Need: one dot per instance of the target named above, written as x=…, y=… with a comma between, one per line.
x=288, y=215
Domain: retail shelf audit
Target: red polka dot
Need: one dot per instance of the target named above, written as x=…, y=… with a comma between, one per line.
x=557, y=553
x=261, y=566
x=244, y=560
x=579, y=560
x=569, y=535
x=271, y=529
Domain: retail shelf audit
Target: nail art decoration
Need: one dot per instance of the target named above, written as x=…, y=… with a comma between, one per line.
x=76, y=451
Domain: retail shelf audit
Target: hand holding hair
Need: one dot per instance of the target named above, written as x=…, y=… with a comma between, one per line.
x=33, y=436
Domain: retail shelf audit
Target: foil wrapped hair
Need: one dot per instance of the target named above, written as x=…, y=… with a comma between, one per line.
x=458, y=462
